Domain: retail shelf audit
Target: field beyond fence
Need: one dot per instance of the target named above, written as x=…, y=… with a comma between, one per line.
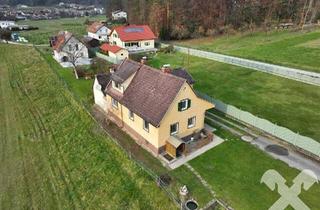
x=307, y=144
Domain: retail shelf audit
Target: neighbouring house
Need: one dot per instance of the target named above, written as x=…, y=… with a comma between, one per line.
x=98, y=31
x=68, y=49
x=159, y=110
x=114, y=52
x=119, y=14
x=100, y=84
x=91, y=42
x=6, y=24
x=135, y=38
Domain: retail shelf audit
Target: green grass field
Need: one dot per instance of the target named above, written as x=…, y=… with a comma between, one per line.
x=48, y=28
x=286, y=102
x=53, y=155
x=294, y=49
x=234, y=170
x=221, y=167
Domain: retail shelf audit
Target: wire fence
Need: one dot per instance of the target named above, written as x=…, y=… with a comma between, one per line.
x=87, y=108
x=290, y=73
x=307, y=144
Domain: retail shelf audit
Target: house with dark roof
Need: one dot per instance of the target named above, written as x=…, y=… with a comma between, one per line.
x=158, y=109
x=67, y=48
x=135, y=38
x=99, y=31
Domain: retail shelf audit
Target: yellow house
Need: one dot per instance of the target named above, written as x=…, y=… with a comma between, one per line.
x=159, y=109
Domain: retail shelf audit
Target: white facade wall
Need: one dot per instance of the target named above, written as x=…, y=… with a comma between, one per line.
x=143, y=44
x=6, y=24
x=70, y=48
x=99, y=97
x=101, y=34
x=119, y=15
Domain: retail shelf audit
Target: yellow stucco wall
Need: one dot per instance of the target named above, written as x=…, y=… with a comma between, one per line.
x=197, y=109
x=158, y=136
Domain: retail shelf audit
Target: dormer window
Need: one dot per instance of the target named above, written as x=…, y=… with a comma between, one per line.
x=117, y=86
x=184, y=105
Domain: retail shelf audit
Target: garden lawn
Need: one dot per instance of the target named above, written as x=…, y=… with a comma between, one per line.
x=48, y=28
x=282, y=101
x=81, y=88
x=298, y=49
x=234, y=170
x=53, y=155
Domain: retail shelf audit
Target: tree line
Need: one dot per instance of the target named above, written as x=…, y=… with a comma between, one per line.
x=180, y=19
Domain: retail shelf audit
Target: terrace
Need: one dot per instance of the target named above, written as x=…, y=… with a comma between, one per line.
x=180, y=150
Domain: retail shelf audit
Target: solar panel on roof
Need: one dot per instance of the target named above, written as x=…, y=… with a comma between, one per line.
x=133, y=30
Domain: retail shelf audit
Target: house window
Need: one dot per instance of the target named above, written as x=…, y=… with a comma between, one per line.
x=191, y=122
x=131, y=115
x=145, y=125
x=70, y=47
x=184, y=105
x=146, y=43
x=174, y=129
x=114, y=103
x=77, y=47
x=114, y=43
x=115, y=35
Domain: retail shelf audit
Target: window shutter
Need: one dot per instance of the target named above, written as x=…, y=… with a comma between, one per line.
x=179, y=106
x=189, y=103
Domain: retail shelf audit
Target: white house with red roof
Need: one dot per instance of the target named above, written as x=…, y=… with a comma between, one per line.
x=134, y=38
x=114, y=52
x=67, y=49
x=98, y=31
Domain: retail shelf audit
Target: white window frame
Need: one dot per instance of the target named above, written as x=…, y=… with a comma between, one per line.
x=115, y=103
x=177, y=130
x=131, y=115
x=185, y=101
x=147, y=43
x=194, y=120
x=146, y=128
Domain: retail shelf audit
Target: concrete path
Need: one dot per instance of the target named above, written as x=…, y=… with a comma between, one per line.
x=182, y=160
x=304, y=76
x=203, y=182
x=293, y=159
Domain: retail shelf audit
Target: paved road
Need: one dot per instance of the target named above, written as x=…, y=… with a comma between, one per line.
x=289, y=73
x=293, y=159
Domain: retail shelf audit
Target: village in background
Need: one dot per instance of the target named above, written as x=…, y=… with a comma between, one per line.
x=154, y=88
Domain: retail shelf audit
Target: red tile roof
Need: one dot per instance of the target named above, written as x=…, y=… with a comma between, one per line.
x=112, y=48
x=134, y=33
x=94, y=27
x=61, y=39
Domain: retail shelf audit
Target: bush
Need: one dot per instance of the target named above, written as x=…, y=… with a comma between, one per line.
x=168, y=49
x=5, y=34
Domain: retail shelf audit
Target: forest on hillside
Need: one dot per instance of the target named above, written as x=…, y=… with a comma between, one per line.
x=181, y=19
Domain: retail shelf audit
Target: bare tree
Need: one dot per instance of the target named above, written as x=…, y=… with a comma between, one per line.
x=74, y=54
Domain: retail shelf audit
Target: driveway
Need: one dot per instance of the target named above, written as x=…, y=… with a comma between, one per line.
x=292, y=158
